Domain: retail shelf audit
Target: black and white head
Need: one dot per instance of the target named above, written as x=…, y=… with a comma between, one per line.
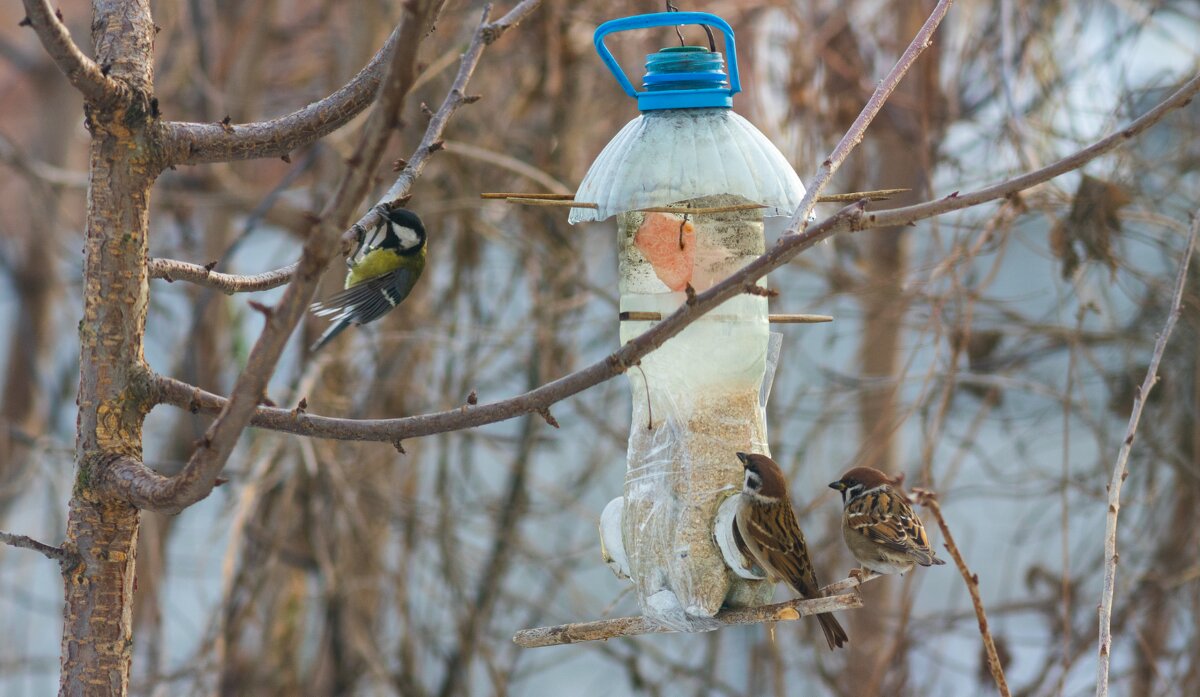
x=764, y=480
x=403, y=231
x=859, y=481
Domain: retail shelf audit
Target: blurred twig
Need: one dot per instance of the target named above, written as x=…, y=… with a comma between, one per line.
x=1120, y=471
x=929, y=501
x=854, y=136
x=58, y=554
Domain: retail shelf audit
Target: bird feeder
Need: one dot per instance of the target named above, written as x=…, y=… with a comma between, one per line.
x=689, y=183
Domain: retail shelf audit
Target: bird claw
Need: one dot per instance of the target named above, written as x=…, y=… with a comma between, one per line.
x=360, y=237
x=858, y=574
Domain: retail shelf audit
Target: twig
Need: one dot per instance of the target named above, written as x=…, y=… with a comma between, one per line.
x=82, y=72
x=174, y=270
x=908, y=214
x=432, y=141
x=874, y=195
x=636, y=316
x=633, y=626
x=854, y=136
x=501, y=195
x=509, y=163
x=930, y=502
x=1120, y=471
x=58, y=554
x=566, y=200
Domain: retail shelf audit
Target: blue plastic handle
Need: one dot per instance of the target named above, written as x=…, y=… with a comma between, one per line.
x=666, y=19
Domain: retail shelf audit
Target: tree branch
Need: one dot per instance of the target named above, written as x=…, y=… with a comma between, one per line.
x=58, y=554
x=132, y=480
x=82, y=72
x=390, y=430
x=908, y=214
x=171, y=270
x=431, y=142
x=1120, y=471
x=929, y=501
x=848, y=219
x=187, y=143
x=924, y=38
x=601, y=630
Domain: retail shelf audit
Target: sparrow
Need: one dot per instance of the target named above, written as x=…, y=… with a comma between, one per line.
x=380, y=276
x=766, y=523
x=879, y=525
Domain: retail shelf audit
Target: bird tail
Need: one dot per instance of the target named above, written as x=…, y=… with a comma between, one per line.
x=925, y=558
x=834, y=634
x=334, y=329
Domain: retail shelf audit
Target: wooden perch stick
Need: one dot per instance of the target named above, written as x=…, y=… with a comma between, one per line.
x=635, y=316
x=568, y=200
x=634, y=626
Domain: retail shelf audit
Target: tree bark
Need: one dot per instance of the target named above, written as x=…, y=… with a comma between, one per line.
x=97, y=616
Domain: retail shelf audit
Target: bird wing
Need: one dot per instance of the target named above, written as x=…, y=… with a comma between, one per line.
x=888, y=519
x=783, y=551
x=369, y=300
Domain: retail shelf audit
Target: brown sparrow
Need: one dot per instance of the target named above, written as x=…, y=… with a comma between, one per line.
x=767, y=525
x=880, y=527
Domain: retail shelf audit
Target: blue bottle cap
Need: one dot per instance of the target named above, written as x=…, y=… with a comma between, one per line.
x=681, y=77
x=685, y=77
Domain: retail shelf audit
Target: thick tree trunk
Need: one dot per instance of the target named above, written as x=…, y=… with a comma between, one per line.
x=97, y=617
x=903, y=146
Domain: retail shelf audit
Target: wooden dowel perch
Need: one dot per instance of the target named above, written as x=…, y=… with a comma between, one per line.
x=568, y=201
x=635, y=316
x=835, y=599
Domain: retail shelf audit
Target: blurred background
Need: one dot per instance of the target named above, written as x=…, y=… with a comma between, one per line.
x=991, y=355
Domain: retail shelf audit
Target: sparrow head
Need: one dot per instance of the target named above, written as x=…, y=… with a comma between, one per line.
x=404, y=232
x=860, y=480
x=764, y=479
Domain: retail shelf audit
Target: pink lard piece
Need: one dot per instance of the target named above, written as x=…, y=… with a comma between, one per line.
x=670, y=249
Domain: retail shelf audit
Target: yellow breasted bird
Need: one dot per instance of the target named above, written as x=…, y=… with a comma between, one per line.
x=380, y=278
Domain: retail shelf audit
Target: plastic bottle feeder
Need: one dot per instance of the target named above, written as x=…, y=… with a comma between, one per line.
x=708, y=178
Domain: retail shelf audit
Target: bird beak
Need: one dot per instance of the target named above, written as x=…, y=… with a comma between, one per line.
x=838, y=485
x=742, y=457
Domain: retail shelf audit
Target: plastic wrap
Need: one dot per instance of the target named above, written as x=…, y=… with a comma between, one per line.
x=697, y=401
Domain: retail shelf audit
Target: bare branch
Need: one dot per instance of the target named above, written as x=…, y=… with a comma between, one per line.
x=848, y=219
x=58, y=554
x=186, y=396
x=854, y=136
x=173, y=270
x=920, y=211
x=431, y=142
x=929, y=501
x=514, y=17
x=1120, y=471
x=199, y=475
x=82, y=72
x=632, y=626
x=186, y=143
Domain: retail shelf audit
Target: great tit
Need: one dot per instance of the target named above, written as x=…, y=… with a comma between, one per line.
x=380, y=277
